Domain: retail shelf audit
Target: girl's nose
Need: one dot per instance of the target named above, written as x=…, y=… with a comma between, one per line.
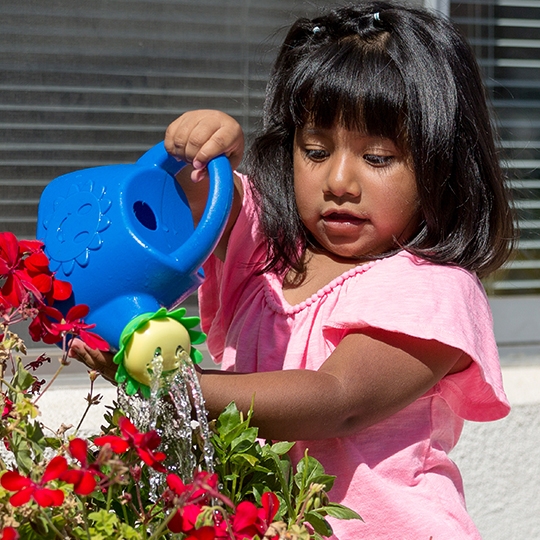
x=342, y=178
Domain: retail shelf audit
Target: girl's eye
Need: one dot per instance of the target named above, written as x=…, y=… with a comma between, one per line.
x=316, y=154
x=378, y=160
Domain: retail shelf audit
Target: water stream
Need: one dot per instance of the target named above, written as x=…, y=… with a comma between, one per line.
x=170, y=413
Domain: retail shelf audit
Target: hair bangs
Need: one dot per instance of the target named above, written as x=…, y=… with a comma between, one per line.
x=354, y=85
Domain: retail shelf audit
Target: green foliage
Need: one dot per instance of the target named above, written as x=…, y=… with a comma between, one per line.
x=124, y=508
x=248, y=468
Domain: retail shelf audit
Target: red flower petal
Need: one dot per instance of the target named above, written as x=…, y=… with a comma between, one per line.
x=118, y=445
x=22, y=497
x=9, y=246
x=54, y=469
x=204, y=533
x=72, y=476
x=127, y=428
x=13, y=290
x=61, y=290
x=245, y=516
x=78, y=448
x=49, y=497
x=270, y=506
x=80, y=311
x=86, y=484
x=30, y=246
x=4, y=267
x=9, y=533
x=94, y=341
x=190, y=513
x=176, y=484
x=175, y=523
x=42, y=282
x=14, y=481
x=37, y=262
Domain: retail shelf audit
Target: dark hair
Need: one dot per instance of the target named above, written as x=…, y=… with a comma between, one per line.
x=405, y=74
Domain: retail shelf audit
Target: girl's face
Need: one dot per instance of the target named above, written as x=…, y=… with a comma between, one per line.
x=356, y=193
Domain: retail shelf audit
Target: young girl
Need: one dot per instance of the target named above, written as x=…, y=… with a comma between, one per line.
x=344, y=295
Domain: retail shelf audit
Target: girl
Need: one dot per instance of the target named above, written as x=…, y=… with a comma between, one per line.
x=344, y=295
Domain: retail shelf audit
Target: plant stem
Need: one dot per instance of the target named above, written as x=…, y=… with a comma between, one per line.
x=162, y=526
x=85, y=519
x=58, y=371
x=51, y=524
x=89, y=400
x=109, y=498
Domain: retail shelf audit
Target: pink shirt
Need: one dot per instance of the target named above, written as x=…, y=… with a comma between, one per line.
x=396, y=474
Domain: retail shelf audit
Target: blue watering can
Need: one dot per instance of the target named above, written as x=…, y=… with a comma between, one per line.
x=123, y=236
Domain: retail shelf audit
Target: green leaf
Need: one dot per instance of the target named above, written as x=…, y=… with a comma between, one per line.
x=240, y=459
x=281, y=448
x=36, y=531
x=339, y=511
x=128, y=533
x=229, y=419
x=246, y=439
x=318, y=523
x=22, y=380
x=308, y=469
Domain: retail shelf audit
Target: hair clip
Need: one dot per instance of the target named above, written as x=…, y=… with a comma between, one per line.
x=377, y=17
x=316, y=29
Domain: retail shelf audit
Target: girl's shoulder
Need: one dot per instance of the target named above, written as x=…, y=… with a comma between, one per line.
x=410, y=276
x=410, y=296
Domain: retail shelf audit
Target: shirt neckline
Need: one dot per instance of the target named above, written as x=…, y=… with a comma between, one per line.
x=273, y=289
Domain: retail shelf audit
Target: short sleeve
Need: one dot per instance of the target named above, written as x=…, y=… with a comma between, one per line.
x=434, y=302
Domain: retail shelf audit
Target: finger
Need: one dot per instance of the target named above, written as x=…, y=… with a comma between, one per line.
x=176, y=137
x=199, y=175
x=188, y=133
x=223, y=141
x=205, y=141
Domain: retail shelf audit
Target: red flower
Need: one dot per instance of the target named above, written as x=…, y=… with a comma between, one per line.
x=46, y=329
x=9, y=533
x=26, y=270
x=27, y=489
x=8, y=406
x=192, y=498
x=248, y=520
x=185, y=518
x=18, y=282
x=42, y=328
x=143, y=443
x=73, y=324
x=83, y=479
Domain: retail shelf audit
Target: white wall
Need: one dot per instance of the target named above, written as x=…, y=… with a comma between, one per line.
x=500, y=463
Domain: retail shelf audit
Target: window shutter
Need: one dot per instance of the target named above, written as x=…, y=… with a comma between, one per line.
x=97, y=82
x=505, y=36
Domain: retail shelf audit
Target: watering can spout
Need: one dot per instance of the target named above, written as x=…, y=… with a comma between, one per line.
x=123, y=236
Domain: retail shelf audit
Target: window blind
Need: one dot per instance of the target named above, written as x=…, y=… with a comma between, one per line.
x=505, y=35
x=90, y=83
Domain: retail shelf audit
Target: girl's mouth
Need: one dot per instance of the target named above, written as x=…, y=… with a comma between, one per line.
x=342, y=218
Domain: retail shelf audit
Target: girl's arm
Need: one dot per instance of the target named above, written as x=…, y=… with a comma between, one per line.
x=368, y=377
x=196, y=137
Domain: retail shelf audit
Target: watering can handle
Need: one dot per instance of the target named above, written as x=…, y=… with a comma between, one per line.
x=190, y=256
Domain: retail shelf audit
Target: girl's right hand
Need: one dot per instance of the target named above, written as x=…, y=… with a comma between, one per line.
x=198, y=136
